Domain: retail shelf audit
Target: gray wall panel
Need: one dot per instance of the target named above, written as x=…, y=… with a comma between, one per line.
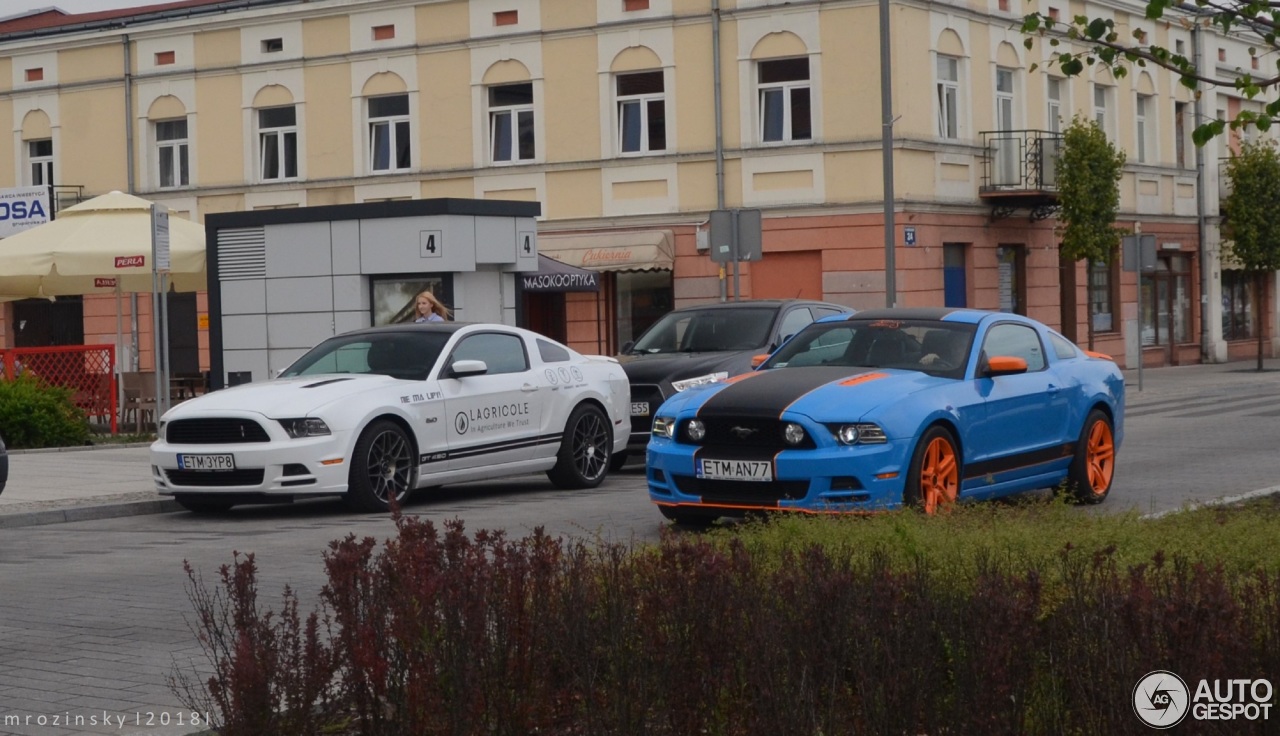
x=298, y=249
x=300, y=295
x=247, y=331
x=255, y=361
x=348, y=321
x=399, y=245
x=346, y=246
x=350, y=292
x=244, y=297
x=296, y=330
x=495, y=240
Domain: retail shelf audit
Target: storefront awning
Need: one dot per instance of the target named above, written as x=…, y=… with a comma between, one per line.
x=634, y=250
x=554, y=276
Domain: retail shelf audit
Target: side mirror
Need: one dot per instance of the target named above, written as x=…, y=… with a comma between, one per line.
x=756, y=360
x=1005, y=365
x=464, y=368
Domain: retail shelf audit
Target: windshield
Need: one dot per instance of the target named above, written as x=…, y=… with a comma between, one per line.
x=405, y=355
x=931, y=346
x=708, y=331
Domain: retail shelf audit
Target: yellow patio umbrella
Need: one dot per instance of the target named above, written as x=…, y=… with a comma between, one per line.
x=99, y=246
x=103, y=245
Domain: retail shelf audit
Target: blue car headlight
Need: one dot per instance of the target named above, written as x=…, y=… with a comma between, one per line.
x=664, y=427
x=304, y=427
x=858, y=433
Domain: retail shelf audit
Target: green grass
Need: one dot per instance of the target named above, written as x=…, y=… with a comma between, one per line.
x=1031, y=535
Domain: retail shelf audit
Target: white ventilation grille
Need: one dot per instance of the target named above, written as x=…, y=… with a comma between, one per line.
x=242, y=253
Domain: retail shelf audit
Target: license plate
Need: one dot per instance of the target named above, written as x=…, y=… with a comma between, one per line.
x=639, y=408
x=207, y=462
x=749, y=470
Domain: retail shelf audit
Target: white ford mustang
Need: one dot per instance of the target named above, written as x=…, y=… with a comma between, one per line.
x=375, y=413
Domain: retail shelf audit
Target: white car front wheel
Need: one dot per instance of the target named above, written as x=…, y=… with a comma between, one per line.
x=382, y=467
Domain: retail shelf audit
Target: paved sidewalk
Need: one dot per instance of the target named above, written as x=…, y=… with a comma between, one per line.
x=84, y=483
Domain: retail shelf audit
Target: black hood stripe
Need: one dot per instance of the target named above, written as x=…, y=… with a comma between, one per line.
x=768, y=393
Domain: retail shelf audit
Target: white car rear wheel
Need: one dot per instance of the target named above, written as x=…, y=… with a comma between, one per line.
x=584, y=455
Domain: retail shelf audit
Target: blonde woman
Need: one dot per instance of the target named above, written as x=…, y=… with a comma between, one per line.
x=427, y=308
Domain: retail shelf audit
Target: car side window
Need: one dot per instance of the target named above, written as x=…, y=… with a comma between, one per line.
x=1063, y=348
x=502, y=353
x=793, y=322
x=1019, y=341
x=551, y=353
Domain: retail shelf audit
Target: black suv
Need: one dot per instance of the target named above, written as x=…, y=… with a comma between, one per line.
x=702, y=344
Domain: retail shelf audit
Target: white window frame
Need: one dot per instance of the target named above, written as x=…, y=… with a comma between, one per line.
x=176, y=172
x=512, y=116
x=642, y=103
x=1104, y=109
x=1006, y=99
x=947, y=96
x=393, y=127
x=285, y=138
x=785, y=90
x=1053, y=107
x=39, y=166
x=1142, y=108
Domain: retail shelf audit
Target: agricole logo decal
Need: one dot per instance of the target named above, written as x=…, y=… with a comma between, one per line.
x=491, y=418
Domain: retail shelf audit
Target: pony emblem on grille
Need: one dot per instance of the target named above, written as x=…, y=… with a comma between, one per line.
x=742, y=432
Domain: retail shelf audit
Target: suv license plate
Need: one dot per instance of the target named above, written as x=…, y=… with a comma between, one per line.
x=749, y=470
x=207, y=462
x=639, y=408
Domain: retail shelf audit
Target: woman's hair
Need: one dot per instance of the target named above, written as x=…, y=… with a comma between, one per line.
x=437, y=306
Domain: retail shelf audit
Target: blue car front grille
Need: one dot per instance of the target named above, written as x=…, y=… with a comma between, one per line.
x=730, y=433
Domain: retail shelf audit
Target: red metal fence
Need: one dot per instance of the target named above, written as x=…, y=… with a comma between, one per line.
x=89, y=370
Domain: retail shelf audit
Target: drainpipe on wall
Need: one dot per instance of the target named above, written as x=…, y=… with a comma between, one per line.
x=715, y=73
x=129, y=182
x=1206, y=344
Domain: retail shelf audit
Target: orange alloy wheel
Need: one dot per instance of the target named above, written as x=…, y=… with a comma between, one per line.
x=939, y=475
x=1101, y=458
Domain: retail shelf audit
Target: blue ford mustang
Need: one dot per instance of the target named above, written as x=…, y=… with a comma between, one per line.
x=892, y=407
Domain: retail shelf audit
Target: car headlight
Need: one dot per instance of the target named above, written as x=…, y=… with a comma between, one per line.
x=695, y=430
x=304, y=427
x=792, y=433
x=664, y=427
x=699, y=380
x=861, y=433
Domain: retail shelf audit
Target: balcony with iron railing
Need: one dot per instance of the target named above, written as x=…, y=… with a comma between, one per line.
x=1019, y=172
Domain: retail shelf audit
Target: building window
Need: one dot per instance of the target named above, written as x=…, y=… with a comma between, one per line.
x=389, y=144
x=278, y=143
x=164, y=58
x=511, y=122
x=1181, y=135
x=642, y=116
x=506, y=18
x=1165, y=302
x=172, y=153
x=785, y=112
x=1238, y=289
x=40, y=162
x=272, y=45
x=1102, y=109
x=383, y=33
x=1101, y=297
x=34, y=75
x=948, y=89
x=1054, y=111
x=630, y=6
x=1143, y=127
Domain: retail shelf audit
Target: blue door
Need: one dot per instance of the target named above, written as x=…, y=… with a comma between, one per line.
x=954, y=287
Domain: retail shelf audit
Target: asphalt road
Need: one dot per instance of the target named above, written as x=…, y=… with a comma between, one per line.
x=94, y=613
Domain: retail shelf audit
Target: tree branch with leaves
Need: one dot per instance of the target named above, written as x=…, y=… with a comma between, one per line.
x=1085, y=41
x=1250, y=221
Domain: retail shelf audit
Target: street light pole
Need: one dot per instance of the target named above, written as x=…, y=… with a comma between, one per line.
x=886, y=145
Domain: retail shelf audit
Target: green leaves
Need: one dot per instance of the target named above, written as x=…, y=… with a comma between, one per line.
x=1252, y=227
x=1089, y=169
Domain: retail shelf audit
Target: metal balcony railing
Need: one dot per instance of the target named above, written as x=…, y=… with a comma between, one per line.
x=1020, y=161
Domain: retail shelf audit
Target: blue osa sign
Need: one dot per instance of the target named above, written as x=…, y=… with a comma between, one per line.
x=22, y=208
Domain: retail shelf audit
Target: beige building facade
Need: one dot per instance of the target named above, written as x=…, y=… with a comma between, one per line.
x=630, y=121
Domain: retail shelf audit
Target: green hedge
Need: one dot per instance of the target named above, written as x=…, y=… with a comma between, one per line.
x=33, y=414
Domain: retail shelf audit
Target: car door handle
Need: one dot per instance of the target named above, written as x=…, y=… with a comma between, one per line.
x=528, y=388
